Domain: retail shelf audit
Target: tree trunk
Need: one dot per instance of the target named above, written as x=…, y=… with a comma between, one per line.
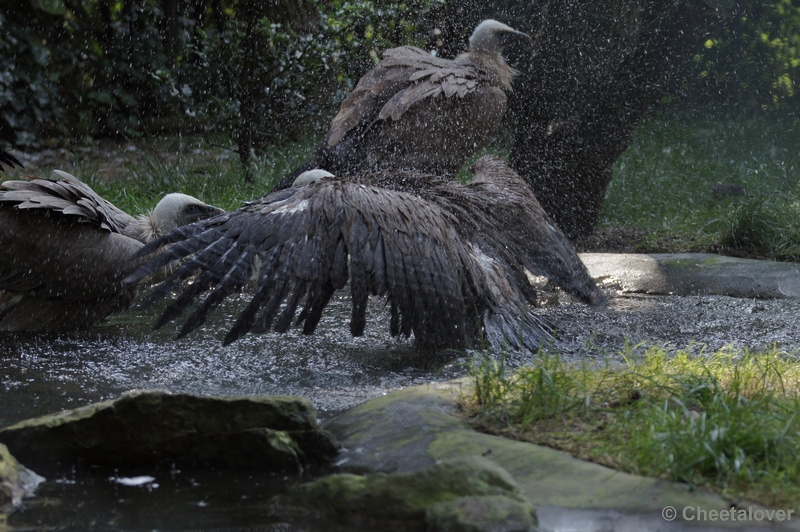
x=596, y=69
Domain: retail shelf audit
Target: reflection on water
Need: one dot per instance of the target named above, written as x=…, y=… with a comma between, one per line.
x=175, y=500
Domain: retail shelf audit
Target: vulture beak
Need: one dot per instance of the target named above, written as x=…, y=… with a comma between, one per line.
x=512, y=38
x=195, y=213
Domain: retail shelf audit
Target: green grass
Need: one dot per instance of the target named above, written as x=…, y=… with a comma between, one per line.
x=216, y=180
x=663, y=184
x=727, y=420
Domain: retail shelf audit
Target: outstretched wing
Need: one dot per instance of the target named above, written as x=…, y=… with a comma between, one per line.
x=68, y=197
x=499, y=210
x=302, y=244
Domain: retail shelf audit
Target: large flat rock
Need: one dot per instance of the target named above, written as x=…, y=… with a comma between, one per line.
x=411, y=429
x=685, y=274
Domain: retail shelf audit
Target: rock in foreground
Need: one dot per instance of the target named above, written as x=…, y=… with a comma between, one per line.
x=140, y=428
x=470, y=493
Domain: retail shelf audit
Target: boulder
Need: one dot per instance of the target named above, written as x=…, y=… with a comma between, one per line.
x=140, y=428
x=462, y=494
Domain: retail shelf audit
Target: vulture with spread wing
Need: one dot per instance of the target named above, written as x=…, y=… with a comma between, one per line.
x=418, y=112
x=65, y=251
x=451, y=260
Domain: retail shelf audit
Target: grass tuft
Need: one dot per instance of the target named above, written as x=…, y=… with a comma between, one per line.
x=727, y=420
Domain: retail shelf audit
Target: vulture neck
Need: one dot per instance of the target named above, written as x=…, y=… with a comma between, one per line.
x=501, y=73
x=144, y=229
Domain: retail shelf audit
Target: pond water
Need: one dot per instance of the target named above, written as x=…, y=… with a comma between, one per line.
x=48, y=373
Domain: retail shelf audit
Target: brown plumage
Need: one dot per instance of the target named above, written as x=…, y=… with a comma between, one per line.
x=418, y=112
x=65, y=251
x=447, y=257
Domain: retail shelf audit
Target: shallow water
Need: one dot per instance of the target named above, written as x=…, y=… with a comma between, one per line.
x=43, y=374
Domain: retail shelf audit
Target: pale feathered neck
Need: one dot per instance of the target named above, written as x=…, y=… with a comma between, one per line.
x=145, y=229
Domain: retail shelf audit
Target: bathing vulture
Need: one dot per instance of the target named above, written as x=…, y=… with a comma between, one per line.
x=450, y=260
x=65, y=251
x=418, y=112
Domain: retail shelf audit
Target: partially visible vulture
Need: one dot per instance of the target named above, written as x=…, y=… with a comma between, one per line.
x=65, y=251
x=451, y=260
x=8, y=160
x=415, y=111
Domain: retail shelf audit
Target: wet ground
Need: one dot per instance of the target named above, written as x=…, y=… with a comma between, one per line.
x=42, y=374
x=47, y=373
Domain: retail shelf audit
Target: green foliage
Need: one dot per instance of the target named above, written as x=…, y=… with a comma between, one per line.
x=754, y=63
x=726, y=419
x=88, y=67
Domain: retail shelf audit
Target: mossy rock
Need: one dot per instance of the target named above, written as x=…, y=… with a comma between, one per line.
x=276, y=433
x=468, y=493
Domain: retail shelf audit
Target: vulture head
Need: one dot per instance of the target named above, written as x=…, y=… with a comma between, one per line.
x=173, y=211
x=487, y=42
x=491, y=36
x=311, y=176
x=176, y=210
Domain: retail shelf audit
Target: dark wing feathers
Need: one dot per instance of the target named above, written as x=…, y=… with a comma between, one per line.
x=428, y=78
x=362, y=106
x=452, y=260
x=68, y=197
x=8, y=160
x=396, y=107
x=398, y=245
x=499, y=210
x=412, y=111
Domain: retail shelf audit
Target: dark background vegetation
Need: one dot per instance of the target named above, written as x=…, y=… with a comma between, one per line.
x=256, y=74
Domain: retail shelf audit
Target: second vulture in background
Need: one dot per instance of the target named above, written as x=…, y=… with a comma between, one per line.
x=451, y=260
x=65, y=251
x=418, y=112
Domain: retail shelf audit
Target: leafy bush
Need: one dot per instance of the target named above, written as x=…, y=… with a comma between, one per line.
x=87, y=67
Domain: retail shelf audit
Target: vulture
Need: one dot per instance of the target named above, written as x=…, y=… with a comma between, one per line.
x=452, y=261
x=65, y=251
x=8, y=160
x=418, y=112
